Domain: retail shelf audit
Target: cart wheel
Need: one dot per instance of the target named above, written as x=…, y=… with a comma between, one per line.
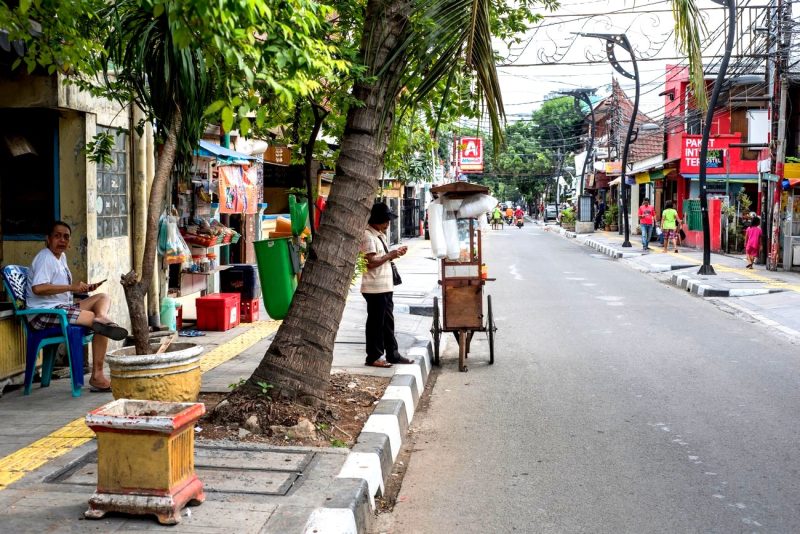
x=462, y=351
x=490, y=328
x=436, y=330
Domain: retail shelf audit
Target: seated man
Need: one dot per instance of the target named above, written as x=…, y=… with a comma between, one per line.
x=50, y=285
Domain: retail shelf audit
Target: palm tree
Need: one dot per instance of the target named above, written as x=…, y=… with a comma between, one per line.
x=173, y=84
x=689, y=31
x=404, y=44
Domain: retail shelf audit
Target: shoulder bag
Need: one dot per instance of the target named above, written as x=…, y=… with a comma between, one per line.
x=396, y=280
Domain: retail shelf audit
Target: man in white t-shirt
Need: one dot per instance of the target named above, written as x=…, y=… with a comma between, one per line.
x=50, y=285
x=377, y=287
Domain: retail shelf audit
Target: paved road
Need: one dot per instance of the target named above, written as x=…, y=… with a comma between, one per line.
x=616, y=404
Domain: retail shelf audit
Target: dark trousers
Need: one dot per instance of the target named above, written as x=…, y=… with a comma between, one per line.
x=380, y=327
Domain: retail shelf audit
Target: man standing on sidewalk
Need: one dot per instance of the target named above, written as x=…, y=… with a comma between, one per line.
x=377, y=287
x=647, y=216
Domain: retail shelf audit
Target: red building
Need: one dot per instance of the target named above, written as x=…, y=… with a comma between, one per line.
x=730, y=169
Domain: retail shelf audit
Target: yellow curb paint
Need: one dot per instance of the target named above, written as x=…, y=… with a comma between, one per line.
x=16, y=465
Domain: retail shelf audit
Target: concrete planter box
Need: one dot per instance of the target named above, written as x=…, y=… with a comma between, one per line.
x=145, y=459
x=173, y=376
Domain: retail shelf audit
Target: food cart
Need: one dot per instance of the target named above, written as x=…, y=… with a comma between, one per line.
x=462, y=282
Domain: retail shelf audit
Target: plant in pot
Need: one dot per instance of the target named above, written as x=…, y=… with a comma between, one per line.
x=610, y=218
x=568, y=219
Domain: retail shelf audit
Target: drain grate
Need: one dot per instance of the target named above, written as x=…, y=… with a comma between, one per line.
x=221, y=469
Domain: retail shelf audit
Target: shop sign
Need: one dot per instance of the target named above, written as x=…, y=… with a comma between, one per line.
x=279, y=155
x=691, y=154
x=613, y=167
x=470, y=154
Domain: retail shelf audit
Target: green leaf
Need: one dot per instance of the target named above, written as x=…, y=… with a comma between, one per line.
x=227, y=118
x=244, y=126
x=214, y=107
x=158, y=10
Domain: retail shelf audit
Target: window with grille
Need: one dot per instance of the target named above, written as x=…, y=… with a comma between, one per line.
x=112, y=188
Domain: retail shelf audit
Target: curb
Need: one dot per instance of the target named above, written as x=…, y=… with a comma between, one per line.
x=350, y=504
x=701, y=289
x=610, y=251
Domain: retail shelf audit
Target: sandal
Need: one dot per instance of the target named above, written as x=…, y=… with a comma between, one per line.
x=97, y=389
x=401, y=359
x=379, y=363
x=110, y=330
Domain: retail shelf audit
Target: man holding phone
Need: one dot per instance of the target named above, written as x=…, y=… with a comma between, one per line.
x=377, y=287
x=50, y=285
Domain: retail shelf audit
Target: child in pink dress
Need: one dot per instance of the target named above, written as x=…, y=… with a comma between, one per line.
x=752, y=241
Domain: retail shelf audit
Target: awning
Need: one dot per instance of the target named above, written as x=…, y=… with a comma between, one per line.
x=652, y=176
x=615, y=181
x=220, y=153
x=646, y=168
x=733, y=178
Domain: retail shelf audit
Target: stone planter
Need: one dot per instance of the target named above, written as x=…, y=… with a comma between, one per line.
x=145, y=459
x=568, y=226
x=173, y=376
x=613, y=228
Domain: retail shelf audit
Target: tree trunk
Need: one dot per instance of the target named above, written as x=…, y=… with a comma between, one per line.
x=136, y=287
x=298, y=362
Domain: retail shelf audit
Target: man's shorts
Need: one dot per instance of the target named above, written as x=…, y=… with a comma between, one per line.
x=48, y=320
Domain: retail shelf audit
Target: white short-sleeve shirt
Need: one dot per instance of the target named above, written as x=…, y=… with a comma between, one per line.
x=47, y=269
x=379, y=279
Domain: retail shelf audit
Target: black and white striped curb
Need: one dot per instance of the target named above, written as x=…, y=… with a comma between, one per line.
x=350, y=504
x=702, y=289
x=609, y=250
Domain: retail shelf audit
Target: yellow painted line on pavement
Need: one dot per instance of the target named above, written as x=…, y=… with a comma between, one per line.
x=75, y=433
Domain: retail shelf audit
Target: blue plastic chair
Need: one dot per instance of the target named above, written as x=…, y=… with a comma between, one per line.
x=15, y=280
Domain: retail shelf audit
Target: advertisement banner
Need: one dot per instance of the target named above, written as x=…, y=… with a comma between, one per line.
x=470, y=155
x=237, y=189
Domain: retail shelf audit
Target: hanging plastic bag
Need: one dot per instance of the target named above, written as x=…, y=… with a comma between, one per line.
x=171, y=244
x=436, y=229
x=476, y=206
x=451, y=236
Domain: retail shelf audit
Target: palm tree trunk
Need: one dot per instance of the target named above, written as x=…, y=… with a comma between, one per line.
x=298, y=362
x=136, y=287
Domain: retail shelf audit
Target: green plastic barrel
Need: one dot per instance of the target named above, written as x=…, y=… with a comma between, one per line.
x=298, y=211
x=278, y=280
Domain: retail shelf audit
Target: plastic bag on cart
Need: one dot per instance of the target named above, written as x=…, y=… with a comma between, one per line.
x=436, y=229
x=451, y=236
x=171, y=244
x=476, y=206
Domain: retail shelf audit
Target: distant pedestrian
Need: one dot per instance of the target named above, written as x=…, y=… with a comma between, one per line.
x=377, y=287
x=669, y=225
x=647, y=216
x=752, y=241
x=600, y=212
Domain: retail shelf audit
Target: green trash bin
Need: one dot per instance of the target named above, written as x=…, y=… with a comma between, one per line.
x=276, y=273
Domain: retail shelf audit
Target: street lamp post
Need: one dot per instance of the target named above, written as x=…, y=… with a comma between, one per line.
x=582, y=95
x=706, y=268
x=621, y=40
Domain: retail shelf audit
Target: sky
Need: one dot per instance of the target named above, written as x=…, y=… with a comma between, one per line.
x=552, y=59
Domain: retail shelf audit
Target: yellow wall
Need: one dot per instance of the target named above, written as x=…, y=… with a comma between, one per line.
x=90, y=259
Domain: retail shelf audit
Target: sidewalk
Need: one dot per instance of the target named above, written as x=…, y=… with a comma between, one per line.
x=48, y=455
x=769, y=297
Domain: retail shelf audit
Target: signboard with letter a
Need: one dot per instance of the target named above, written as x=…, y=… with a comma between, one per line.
x=470, y=154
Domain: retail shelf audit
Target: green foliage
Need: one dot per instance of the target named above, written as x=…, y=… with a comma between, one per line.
x=568, y=216
x=335, y=442
x=98, y=150
x=264, y=387
x=611, y=215
x=361, y=267
x=237, y=385
x=689, y=31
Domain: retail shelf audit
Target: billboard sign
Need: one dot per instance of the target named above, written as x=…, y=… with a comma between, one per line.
x=470, y=154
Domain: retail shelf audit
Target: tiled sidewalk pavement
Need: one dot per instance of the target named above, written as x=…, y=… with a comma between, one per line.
x=49, y=422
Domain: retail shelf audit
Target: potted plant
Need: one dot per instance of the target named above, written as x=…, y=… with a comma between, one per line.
x=568, y=219
x=610, y=218
x=171, y=375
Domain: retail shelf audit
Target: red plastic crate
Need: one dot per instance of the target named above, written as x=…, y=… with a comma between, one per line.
x=249, y=311
x=218, y=311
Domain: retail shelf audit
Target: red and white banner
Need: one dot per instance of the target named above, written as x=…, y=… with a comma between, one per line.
x=470, y=154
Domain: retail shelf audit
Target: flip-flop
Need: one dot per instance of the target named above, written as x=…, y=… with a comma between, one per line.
x=110, y=330
x=403, y=360
x=97, y=389
x=191, y=333
x=379, y=363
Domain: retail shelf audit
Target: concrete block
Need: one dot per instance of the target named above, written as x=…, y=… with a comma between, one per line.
x=377, y=444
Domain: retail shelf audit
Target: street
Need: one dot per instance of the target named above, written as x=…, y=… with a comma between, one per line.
x=616, y=404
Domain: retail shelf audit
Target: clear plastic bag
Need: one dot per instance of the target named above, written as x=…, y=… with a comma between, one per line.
x=171, y=244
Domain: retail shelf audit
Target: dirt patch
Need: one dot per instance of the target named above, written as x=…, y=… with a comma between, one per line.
x=257, y=419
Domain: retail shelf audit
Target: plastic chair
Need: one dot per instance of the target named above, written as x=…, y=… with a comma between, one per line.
x=15, y=280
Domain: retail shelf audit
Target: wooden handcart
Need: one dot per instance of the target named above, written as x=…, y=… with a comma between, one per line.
x=462, y=284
